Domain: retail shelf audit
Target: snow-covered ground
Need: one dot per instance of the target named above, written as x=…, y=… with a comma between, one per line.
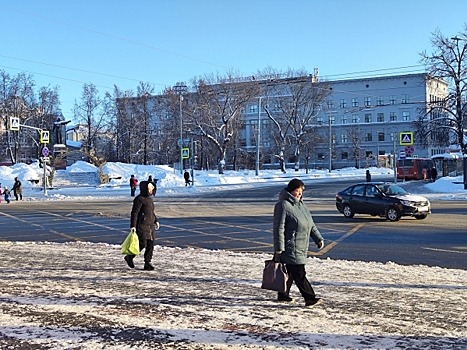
x=171, y=182
x=83, y=296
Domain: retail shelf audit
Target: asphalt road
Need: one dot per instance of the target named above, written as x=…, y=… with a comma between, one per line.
x=240, y=220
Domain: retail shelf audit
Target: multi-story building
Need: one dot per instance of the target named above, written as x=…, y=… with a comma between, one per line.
x=362, y=118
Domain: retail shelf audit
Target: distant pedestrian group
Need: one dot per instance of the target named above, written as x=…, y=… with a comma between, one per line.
x=17, y=189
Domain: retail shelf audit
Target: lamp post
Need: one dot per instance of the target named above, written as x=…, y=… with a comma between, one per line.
x=180, y=88
x=258, y=137
x=393, y=135
x=330, y=143
x=377, y=148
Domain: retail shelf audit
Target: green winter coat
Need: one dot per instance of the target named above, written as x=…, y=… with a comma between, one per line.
x=292, y=227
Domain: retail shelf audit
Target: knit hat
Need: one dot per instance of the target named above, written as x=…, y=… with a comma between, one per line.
x=294, y=184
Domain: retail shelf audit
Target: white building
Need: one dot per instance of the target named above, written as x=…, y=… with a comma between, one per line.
x=365, y=117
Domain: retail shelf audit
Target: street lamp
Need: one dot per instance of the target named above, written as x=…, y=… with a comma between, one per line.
x=377, y=148
x=258, y=136
x=330, y=140
x=180, y=88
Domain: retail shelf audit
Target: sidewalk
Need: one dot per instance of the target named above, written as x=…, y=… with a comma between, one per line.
x=83, y=296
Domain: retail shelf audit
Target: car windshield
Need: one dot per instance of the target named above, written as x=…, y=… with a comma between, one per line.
x=392, y=190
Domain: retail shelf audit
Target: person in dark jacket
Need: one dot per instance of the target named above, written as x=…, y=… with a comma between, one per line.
x=133, y=185
x=292, y=227
x=368, y=176
x=17, y=189
x=186, y=176
x=144, y=222
x=434, y=174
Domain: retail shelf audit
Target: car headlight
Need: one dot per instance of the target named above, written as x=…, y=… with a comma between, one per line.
x=407, y=203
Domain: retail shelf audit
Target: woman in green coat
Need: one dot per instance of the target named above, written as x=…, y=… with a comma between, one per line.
x=292, y=227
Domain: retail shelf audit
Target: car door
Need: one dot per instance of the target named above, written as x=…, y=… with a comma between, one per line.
x=374, y=200
x=357, y=200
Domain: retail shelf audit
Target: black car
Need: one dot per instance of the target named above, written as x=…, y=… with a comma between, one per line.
x=381, y=199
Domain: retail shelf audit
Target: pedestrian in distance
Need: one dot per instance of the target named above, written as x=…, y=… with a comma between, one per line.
x=434, y=174
x=144, y=222
x=292, y=227
x=133, y=185
x=17, y=189
x=6, y=195
x=186, y=176
x=368, y=176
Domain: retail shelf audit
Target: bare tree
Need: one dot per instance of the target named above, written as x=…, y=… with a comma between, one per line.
x=292, y=105
x=448, y=61
x=18, y=99
x=356, y=150
x=89, y=112
x=215, y=105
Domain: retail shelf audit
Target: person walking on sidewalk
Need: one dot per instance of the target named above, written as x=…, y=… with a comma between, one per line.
x=17, y=189
x=133, y=185
x=144, y=221
x=292, y=227
x=186, y=176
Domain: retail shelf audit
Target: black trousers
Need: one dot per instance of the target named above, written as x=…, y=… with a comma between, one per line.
x=297, y=274
x=148, y=246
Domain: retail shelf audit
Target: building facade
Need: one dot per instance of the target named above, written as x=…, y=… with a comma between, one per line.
x=361, y=121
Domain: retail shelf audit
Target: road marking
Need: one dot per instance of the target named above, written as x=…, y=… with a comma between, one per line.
x=331, y=245
x=444, y=250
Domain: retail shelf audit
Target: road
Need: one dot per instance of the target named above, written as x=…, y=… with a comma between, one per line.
x=240, y=220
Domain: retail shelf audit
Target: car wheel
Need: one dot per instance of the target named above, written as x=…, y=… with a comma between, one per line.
x=420, y=217
x=392, y=214
x=347, y=211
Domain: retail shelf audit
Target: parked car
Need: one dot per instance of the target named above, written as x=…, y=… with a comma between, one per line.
x=381, y=199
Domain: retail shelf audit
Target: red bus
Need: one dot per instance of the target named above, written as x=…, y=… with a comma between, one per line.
x=414, y=168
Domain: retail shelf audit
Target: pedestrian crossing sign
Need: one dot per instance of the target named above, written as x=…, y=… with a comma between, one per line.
x=44, y=136
x=406, y=138
x=185, y=153
x=14, y=123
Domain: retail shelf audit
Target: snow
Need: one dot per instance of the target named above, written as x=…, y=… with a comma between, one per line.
x=83, y=296
x=171, y=182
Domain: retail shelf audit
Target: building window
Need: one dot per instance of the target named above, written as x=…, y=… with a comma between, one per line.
x=319, y=120
x=380, y=117
x=369, y=154
x=253, y=108
x=355, y=118
x=405, y=98
x=344, y=138
x=344, y=155
x=354, y=102
x=367, y=117
x=344, y=119
x=342, y=103
x=330, y=104
x=369, y=137
x=367, y=101
x=392, y=117
x=392, y=100
x=321, y=156
x=332, y=119
x=380, y=136
x=380, y=101
x=406, y=116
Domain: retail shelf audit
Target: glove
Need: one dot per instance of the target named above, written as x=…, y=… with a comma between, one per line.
x=320, y=245
x=277, y=256
x=132, y=229
x=157, y=226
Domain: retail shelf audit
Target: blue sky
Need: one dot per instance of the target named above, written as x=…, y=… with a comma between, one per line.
x=116, y=42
